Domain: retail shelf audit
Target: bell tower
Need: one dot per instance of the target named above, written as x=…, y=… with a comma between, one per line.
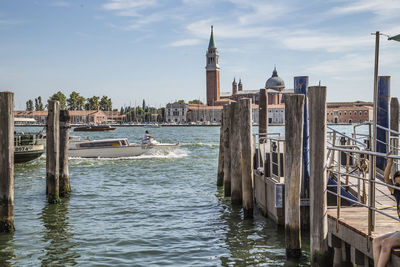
x=212, y=72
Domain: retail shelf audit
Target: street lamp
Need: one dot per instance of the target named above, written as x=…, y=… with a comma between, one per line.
x=371, y=214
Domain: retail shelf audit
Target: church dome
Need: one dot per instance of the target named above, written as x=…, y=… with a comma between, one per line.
x=275, y=82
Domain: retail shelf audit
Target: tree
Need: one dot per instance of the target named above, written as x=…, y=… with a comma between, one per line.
x=29, y=105
x=59, y=96
x=196, y=101
x=75, y=101
x=92, y=103
x=144, y=105
x=40, y=103
x=105, y=103
x=181, y=101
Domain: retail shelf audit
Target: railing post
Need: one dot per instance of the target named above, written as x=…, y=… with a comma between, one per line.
x=294, y=119
x=394, y=124
x=318, y=179
x=245, y=123
x=52, y=151
x=7, y=162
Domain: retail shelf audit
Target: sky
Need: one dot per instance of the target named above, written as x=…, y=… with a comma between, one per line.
x=155, y=50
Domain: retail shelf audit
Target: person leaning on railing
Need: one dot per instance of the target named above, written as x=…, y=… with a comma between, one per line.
x=383, y=244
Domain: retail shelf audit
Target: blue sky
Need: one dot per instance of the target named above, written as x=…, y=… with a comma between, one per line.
x=155, y=49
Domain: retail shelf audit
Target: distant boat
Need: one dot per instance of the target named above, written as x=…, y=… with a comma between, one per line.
x=115, y=148
x=27, y=147
x=94, y=128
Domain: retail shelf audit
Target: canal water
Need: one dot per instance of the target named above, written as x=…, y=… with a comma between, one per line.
x=153, y=210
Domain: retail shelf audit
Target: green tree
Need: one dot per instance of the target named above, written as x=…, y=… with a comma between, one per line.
x=105, y=103
x=39, y=103
x=196, y=101
x=181, y=101
x=29, y=105
x=75, y=101
x=92, y=103
x=59, y=96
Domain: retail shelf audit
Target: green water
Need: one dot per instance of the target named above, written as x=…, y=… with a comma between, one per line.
x=155, y=210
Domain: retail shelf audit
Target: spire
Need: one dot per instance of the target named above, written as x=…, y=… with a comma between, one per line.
x=240, y=80
x=274, y=73
x=212, y=45
x=234, y=80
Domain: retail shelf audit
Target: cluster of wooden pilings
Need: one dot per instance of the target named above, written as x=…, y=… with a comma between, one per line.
x=235, y=167
x=57, y=175
x=235, y=164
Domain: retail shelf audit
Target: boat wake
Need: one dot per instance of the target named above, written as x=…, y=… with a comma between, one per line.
x=176, y=154
x=199, y=145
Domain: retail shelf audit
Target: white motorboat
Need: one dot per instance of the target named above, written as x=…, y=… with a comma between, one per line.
x=115, y=148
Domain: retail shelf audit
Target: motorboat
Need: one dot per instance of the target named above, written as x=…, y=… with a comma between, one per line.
x=27, y=147
x=116, y=148
x=94, y=128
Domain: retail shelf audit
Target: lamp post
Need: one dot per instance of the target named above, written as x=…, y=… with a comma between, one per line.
x=371, y=213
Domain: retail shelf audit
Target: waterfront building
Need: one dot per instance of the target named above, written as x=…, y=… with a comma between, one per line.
x=349, y=112
x=77, y=116
x=176, y=112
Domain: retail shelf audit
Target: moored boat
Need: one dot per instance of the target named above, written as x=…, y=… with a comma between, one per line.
x=27, y=147
x=115, y=148
x=94, y=128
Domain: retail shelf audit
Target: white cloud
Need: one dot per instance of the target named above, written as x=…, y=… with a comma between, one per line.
x=385, y=8
x=186, y=42
x=129, y=7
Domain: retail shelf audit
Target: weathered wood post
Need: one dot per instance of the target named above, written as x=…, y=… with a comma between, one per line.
x=52, y=151
x=300, y=87
x=65, y=125
x=318, y=181
x=236, y=155
x=220, y=174
x=294, y=119
x=227, y=151
x=263, y=113
x=382, y=118
x=245, y=125
x=7, y=162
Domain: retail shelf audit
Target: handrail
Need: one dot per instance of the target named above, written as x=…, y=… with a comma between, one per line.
x=342, y=134
x=367, y=152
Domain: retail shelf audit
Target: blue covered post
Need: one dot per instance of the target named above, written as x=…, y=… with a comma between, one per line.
x=382, y=118
x=300, y=87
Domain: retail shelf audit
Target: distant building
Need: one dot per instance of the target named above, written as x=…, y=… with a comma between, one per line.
x=176, y=112
x=212, y=72
x=349, y=112
x=77, y=116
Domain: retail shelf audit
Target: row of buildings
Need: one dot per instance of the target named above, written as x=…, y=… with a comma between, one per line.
x=338, y=112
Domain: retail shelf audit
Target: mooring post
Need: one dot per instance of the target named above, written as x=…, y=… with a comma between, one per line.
x=236, y=155
x=227, y=151
x=318, y=181
x=294, y=119
x=263, y=114
x=394, y=125
x=7, y=162
x=52, y=151
x=220, y=174
x=300, y=87
x=65, y=125
x=382, y=118
x=246, y=132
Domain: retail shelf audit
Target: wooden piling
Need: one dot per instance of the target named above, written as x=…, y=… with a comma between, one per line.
x=294, y=121
x=394, y=114
x=52, y=151
x=245, y=125
x=7, y=162
x=318, y=181
x=220, y=174
x=64, y=181
x=227, y=151
x=236, y=155
x=263, y=114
